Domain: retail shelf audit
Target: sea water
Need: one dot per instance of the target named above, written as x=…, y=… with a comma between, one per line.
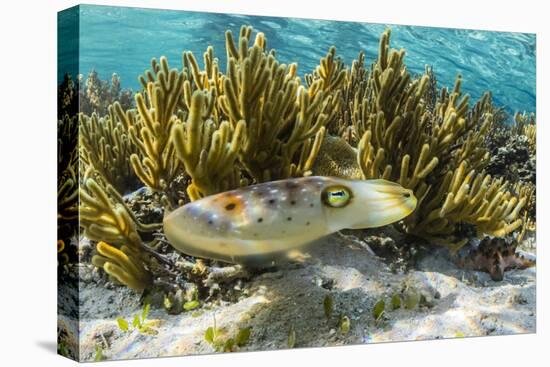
x=123, y=41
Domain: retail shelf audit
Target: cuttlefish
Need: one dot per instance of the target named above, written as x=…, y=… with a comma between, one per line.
x=257, y=222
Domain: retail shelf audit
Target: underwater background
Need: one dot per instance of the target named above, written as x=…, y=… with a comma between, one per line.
x=123, y=40
x=452, y=253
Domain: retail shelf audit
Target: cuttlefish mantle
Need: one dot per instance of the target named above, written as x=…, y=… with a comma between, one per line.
x=260, y=221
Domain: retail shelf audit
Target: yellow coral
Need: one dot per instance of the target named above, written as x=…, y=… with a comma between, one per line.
x=106, y=147
x=67, y=196
x=525, y=124
x=156, y=166
x=123, y=265
x=439, y=154
x=208, y=153
x=62, y=257
x=284, y=120
x=104, y=218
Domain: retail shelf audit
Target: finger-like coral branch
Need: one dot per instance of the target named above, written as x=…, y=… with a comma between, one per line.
x=104, y=218
x=155, y=164
x=525, y=124
x=207, y=152
x=110, y=198
x=67, y=196
x=284, y=120
x=123, y=265
x=439, y=152
x=105, y=146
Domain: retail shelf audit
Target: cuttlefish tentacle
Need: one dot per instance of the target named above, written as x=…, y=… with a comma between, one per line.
x=262, y=220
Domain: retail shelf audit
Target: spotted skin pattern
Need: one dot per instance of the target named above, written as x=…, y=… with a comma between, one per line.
x=260, y=221
x=495, y=256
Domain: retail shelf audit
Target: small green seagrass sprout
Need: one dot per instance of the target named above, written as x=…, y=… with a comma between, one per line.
x=396, y=301
x=412, y=299
x=243, y=336
x=194, y=303
x=62, y=349
x=291, y=340
x=379, y=310
x=328, y=305
x=191, y=305
x=210, y=335
x=140, y=323
x=221, y=343
x=345, y=324
x=99, y=356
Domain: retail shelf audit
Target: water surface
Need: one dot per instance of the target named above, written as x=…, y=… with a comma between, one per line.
x=123, y=40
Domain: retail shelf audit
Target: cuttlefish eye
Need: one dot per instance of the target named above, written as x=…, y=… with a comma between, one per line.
x=336, y=196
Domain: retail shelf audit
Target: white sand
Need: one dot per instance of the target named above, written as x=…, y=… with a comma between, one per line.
x=463, y=303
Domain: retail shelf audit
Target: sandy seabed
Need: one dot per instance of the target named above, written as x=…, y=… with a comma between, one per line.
x=455, y=303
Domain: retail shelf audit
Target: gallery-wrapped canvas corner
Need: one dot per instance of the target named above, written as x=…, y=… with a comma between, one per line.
x=231, y=183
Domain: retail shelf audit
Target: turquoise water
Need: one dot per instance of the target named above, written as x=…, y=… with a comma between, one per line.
x=123, y=40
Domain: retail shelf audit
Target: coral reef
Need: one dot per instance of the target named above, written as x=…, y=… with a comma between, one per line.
x=105, y=145
x=438, y=152
x=195, y=132
x=106, y=218
x=274, y=126
x=155, y=164
x=122, y=265
x=513, y=149
x=67, y=196
x=91, y=95
x=67, y=97
x=96, y=95
x=526, y=125
x=67, y=168
x=209, y=157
